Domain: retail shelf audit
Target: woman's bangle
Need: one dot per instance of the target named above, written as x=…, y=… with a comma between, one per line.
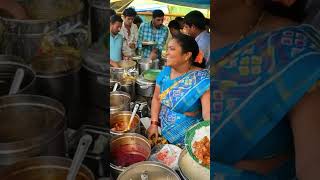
x=155, y=123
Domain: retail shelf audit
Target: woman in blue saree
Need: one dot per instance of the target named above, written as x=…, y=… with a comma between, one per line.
x=181, y=97
x=265, y=119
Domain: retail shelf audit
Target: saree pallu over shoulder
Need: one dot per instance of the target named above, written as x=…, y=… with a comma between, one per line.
x=183, y=97
x=188, y=91
x=257, y=86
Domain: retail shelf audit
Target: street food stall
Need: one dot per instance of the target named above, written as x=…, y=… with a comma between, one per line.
x=133, y=155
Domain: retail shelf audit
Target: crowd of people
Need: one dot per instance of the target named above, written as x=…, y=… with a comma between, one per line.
x=130, y=37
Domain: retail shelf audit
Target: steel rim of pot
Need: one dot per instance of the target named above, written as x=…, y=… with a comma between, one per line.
x=143, y=82
x=45, y=160
x=25, y=67
x=121, y=105
x=149, y=163
x=33, y=141
x=11, y=58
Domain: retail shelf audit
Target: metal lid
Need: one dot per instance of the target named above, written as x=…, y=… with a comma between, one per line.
x=148, y=170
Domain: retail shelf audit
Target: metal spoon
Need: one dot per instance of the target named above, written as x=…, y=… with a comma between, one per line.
x=82, y=149
x=115, y=87
x=17, y=80
x=135, y=109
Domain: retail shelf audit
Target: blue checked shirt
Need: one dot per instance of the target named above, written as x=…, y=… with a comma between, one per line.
x=148, y=33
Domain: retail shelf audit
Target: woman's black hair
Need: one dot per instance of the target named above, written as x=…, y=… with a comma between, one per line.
x=189, y=44
x=130, y=12
x=295, y=12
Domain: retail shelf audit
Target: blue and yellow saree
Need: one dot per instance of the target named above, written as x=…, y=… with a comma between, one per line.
x=252, y=90
x=184, y=96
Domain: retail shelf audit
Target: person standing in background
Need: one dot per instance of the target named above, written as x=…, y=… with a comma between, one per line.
x=174, y=28
x=129, y=31
x=137, y=21
x=180, y=21
x=195, y=22
x=154, y=32
x=116, y=40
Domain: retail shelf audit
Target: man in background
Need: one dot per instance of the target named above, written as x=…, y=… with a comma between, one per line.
x=153, y=36
x=195, y=23
x=174, y=28
x=116, y=40
x=137, y=21
x=180, y=21
x=129, y=31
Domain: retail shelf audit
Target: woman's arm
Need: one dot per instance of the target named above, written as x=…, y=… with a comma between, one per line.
x=155, y=110
x=305, y=124
x=114, y=64
x=155, y=104
x=205, y=102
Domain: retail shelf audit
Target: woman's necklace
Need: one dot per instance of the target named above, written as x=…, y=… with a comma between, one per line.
x=252, y=27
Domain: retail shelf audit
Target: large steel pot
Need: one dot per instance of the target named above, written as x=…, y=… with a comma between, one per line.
x=119, y=101
x=144, y=87
x=7, y=72
x=58, y=77
x=145, y=64
x=30, y=126
x=126, y=150
x=149, y=169
x=23, y=37
x=123, y=118
x=44, y=168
